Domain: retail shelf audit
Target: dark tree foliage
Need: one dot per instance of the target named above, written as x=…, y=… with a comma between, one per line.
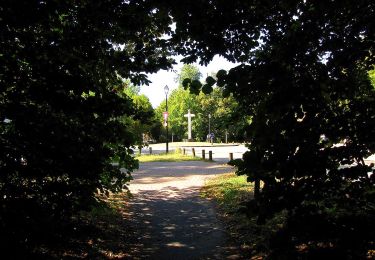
x=59, y=61
x=304, y=81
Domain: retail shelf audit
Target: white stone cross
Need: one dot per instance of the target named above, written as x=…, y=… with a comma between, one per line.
x=189, y=116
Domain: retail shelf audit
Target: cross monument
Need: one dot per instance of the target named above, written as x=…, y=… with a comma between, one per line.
x=189, y=116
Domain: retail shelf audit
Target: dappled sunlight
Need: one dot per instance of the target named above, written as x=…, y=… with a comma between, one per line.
x=177, y=244
x=172, y=220
x=182, y=175
x=178, y=221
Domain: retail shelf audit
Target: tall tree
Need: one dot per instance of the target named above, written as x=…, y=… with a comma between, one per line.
x=223, y=111
x=305, y=85
x=142, y=119
x=188, y=71
x=179, y=101
x=59, y=61
x=227, y=122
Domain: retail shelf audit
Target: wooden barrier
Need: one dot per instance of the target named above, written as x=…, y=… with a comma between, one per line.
x=210, y=155
x=203, y=154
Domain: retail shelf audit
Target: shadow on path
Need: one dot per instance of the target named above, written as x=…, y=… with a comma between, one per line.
x=171, y=220
x=172, y=226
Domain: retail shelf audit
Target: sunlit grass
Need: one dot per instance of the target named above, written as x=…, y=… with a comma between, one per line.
x=230, y=192
x=176, y=145
x=169, y=157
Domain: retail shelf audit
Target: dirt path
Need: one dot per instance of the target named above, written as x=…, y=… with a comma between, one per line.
x=171, y=220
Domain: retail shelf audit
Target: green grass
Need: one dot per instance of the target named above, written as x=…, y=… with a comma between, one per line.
x=230, y=192
x=170, y=157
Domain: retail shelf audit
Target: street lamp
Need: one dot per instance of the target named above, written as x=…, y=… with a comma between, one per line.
x=166, y=90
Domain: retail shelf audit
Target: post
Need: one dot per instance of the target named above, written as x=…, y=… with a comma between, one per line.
x=230, y=156
x=150, y=150
x=183, y=151
x=166, y=90
x=203, y=154
x=193, y=151
x=210, y=155
x=166, y=108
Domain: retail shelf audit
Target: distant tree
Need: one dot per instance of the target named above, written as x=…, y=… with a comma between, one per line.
x=223, y=111
x=129, y=89
x=156, y=130
x=188, y=71
x=225, y=117
x=141, y=121
x=179, y=101
x=144, y=123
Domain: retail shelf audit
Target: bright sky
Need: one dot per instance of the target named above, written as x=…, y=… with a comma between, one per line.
x=155, y=91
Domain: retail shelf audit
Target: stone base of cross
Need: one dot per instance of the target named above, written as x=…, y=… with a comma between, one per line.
x=189, y=116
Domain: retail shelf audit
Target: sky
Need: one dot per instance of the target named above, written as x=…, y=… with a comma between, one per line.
x=155, y=91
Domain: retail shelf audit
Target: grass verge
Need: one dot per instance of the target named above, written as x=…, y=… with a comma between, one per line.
x=230, y=192
x=169, y=157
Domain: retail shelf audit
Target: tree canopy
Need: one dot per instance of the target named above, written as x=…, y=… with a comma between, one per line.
x=304, y=82
x=59, y=63
x=142, y=118
x=223, y=110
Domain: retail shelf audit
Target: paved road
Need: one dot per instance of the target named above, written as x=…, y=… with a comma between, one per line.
x=220, y=153
x=172, y=221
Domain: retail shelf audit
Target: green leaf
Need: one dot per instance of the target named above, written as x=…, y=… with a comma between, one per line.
x=207, y=89
x=226, y=93
x=186, y=82
x=195, y=87
x=196, y=84
x=221, y=73
x=210, y=81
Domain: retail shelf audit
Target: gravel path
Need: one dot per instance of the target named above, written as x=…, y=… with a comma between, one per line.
x=172, y=221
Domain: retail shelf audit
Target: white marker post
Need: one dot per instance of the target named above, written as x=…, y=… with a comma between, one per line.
x=189, y=116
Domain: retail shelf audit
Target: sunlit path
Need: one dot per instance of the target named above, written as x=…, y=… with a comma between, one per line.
x=171, y=220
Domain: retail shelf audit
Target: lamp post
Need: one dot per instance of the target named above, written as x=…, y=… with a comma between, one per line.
x=166, y=90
